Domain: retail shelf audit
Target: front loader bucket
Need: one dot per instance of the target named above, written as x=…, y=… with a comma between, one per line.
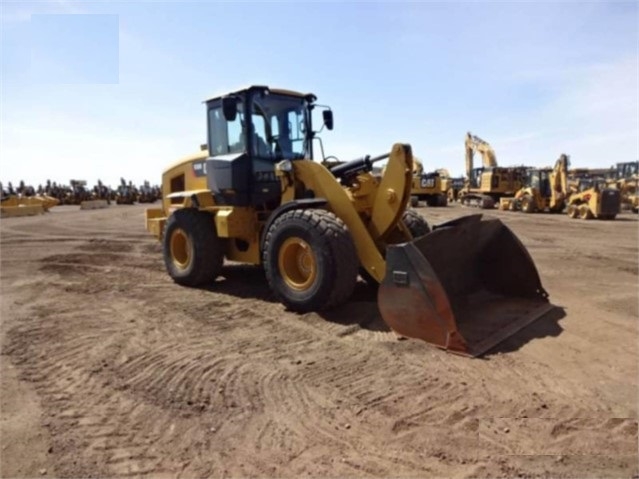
x=464, y=287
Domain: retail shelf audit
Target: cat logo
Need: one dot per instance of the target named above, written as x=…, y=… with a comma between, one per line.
x=199, y=168
x=428, y=182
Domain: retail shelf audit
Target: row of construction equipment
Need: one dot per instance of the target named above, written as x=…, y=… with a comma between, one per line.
x=582, y=193
x=25, y=200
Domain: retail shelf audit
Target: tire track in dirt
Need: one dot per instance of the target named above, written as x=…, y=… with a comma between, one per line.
x=98, y=416
x=180, y=377
x=153, y=385
x=65, y=353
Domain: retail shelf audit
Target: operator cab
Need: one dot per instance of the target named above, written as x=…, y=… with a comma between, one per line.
x=540, y=180
x=476, y=176
x=627, y=170
x=249, y=132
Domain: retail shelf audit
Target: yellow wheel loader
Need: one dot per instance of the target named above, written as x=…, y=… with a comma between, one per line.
x=256, y=196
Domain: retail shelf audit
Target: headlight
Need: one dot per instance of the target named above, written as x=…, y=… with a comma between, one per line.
x=285, y=165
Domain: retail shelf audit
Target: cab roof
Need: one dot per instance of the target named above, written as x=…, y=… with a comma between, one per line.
x=277, y=91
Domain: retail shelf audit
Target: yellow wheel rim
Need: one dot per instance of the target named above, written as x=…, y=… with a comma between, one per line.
x=181, y=249
x=297, y=264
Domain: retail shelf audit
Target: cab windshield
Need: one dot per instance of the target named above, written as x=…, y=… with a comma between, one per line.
x=280, y=125
x=628, y=170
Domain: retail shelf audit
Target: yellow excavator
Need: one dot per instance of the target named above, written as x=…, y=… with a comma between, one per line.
x=427, y=187
x=485, y=185
x=256, y=196
x=545, y=190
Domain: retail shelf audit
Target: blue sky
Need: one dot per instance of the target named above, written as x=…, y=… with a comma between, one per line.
x=108, y=89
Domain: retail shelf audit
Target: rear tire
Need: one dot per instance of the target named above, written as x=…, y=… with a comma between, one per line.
x=414, y=201
x=193, y=253
x=310, y=260
x=528, y=204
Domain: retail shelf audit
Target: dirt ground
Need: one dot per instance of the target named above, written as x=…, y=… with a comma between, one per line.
x=111, y=369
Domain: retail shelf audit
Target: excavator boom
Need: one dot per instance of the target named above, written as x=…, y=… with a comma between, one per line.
x=475, y=144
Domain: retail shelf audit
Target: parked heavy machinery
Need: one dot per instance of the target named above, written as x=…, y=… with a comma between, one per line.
x=77, y=193
x=450, y=186
x=426, y=187
x=126, y=194
x=485, y=185
x=545, y=190
x=13, y=204
x=101, y=192
x=594, y=199
x=147, y=193
x=256, y=196
x=625, y=177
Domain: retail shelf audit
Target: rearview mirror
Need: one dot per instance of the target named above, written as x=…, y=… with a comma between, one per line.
x=229, y=108
x=327, y=115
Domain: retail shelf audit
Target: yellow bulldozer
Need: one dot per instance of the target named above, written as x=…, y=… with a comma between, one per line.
x=484, y=186
x=427, y=187
x=545, y=190
x=256, y=196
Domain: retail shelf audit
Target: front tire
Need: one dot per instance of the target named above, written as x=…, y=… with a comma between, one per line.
x=416, y=223
x=310, y=260
x=573, y=211
x=584, y=212
x=193, y=253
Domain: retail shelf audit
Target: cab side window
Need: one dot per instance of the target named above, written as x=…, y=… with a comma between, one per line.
x=225, y=136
